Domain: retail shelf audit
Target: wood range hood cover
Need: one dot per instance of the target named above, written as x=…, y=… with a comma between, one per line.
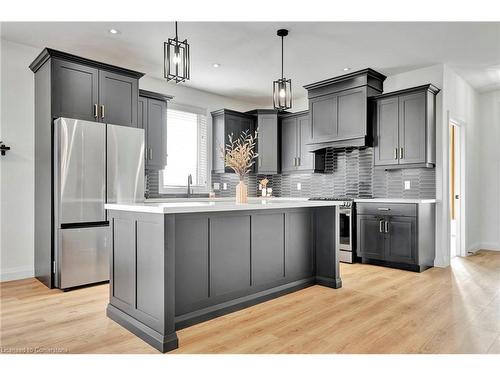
x=340, y=110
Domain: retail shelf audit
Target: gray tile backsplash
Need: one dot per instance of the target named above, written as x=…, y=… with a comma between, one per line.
x=348, y=172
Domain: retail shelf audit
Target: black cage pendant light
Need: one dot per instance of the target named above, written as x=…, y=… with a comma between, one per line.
x=176, y=59
x=282, y=88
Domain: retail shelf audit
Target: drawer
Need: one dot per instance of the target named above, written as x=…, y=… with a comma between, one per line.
x=393, y=209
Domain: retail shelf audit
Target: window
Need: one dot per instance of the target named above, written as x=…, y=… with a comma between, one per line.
x=187, y=150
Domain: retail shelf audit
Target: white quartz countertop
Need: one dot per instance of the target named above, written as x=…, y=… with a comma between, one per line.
x=193, y=205
x=394, y=200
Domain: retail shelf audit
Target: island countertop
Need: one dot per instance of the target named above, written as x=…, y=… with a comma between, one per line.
x=194, y=205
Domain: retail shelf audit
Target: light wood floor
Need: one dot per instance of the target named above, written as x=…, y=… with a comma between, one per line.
x=379, y=310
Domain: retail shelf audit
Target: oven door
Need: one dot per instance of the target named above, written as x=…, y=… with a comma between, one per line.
x=345, y=226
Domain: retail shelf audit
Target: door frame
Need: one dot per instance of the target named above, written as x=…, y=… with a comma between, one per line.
x=460, y=126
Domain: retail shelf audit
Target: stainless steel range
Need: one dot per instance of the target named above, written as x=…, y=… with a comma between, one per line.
x=347, y=227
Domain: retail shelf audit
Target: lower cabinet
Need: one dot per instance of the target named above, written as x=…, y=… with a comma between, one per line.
x=400, y=235
x=371, y=239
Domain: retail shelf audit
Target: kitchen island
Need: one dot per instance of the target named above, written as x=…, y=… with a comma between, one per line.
x=175, y=264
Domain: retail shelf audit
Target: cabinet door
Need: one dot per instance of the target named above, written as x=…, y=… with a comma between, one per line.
x=323, y=118
x=267, y=146
x=351, y=109
x=156, y=134
x=289, y=136
x=142, y=122
x=118, y=98
x=412, y=130
x=371, y=239
x=386, y=131
x=305, y=158
x=218, y=143
x=236, y=125
x=75, y=90
x=401, y=239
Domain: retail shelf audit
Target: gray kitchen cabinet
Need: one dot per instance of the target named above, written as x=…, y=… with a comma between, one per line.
x=118, y=96
x=371, y=240
x=75, y=90
x=226, y=122
x=396, y=235
x=404, y=126
x=324, y=115
x=152, y=117
x=89, y=90
x=267, y=141
x=387, y=143
x=306, y=159
x=295, y=133
x=401, y=239
x=70, y=86
x=340, y=110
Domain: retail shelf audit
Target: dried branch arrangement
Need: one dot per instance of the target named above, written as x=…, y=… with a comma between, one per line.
x=239, y=154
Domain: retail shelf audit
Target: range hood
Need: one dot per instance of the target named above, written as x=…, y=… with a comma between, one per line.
x=340, y=110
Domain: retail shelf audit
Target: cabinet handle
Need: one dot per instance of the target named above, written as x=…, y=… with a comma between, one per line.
x=102, y=110
x=260, y=161
x=294, y=162
x=150, y=153
x=146, y=153
x=401, y=153
x=298, y=161
x=380, y=226
x=395, y=153
x=386, y=226
x=95, y=111
x=383, y=209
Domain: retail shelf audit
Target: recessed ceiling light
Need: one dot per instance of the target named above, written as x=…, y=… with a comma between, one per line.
x=114, y=31
x=215, y=65
x=346, y=69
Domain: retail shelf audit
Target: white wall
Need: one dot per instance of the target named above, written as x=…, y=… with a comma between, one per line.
x=488, y=167
x=461, y=104
x=17, y=167
x=17, y=170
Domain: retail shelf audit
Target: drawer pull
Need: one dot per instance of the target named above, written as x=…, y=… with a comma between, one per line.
x=383, y=209
x=386, y=227
x=380, y=226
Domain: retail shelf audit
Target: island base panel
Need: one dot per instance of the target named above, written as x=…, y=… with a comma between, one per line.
x=163, y=343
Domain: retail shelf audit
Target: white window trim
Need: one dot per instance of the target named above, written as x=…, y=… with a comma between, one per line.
x=196, y=189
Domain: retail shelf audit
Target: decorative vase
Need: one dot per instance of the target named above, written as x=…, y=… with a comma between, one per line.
x=241, y=192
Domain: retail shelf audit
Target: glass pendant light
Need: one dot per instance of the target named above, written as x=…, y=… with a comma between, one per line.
x=176, y=59
x=282, y=88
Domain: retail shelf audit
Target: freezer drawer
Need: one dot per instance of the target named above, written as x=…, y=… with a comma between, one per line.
x=83, y=255
x=79, y=171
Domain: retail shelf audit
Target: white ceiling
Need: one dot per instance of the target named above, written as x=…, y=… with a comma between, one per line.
x=249, y=52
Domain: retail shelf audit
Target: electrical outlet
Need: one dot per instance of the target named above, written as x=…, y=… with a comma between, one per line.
x=407, y=185
x=224, y=186
x=216, y=186
x=299, y=186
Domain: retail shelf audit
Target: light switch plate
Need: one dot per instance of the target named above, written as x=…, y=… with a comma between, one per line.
x=407, y=185
x=224, y=186
x=216, y=186
x=299, y=186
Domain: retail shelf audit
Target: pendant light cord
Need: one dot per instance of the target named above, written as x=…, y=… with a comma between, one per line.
x=176, y=37
x=281, y=57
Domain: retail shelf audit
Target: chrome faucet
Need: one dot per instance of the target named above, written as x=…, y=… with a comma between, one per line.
x=190, y=182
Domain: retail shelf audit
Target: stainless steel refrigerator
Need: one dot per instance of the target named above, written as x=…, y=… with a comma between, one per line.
x=94, y=163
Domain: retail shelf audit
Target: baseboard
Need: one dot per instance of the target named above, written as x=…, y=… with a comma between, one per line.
x=491, y=246
x=17, y=273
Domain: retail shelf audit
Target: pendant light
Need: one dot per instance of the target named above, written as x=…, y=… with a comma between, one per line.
x=282, y=88
x=176, y=59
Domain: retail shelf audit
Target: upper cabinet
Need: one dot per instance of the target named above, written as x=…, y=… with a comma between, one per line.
x=89, y=90
x=339, y=109
x=295, y=134
x=267, y=141
x=152, y=117
x=404, y=125
x=226, y=122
